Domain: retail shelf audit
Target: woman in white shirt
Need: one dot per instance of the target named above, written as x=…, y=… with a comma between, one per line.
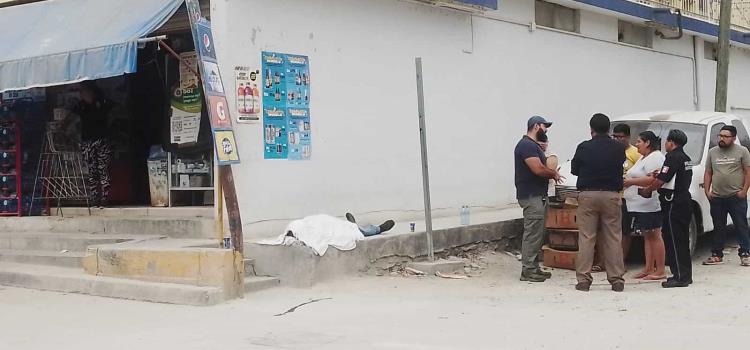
x=646, y=212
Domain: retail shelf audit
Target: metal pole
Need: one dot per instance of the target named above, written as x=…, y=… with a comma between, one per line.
x=219, y=208
x=425, y=170
x=722, y=67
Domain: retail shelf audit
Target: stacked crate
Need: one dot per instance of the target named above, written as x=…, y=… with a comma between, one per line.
x=562, y=236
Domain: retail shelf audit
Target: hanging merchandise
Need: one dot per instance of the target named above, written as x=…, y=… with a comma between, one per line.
x=188, y=79
x=248, y=94
x=286, y=106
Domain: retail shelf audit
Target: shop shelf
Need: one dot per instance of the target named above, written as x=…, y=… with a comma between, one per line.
x=191, y=189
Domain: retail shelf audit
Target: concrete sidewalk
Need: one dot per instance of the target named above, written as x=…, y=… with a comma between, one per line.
x=297, y=265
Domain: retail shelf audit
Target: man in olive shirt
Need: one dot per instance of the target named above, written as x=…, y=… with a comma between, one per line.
x=726, y=182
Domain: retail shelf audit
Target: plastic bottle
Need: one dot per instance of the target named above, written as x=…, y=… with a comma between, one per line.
x=256, y=99
x=241, y=98
x=249, y=103
x=462, y=215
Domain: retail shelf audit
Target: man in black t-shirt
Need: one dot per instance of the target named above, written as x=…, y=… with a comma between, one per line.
x=598, y=165
x=532, y=178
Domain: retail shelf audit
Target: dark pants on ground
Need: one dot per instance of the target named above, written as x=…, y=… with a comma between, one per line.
x=676, y=232
x=98, y=156
x=737, y=209
x=599, y=218
x=534, y=214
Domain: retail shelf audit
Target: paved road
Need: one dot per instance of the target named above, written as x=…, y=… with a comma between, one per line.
x=491, y=311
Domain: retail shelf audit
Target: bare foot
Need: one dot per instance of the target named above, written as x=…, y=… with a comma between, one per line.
x=640, y=275
x=655, y=277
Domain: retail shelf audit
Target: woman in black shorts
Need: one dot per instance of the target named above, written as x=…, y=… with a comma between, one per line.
x=645, y=213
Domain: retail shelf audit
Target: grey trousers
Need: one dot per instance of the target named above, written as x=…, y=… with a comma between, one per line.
x=534, y=214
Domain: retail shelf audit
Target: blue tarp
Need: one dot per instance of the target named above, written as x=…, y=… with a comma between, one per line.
x=490, y=4
x=62, y=41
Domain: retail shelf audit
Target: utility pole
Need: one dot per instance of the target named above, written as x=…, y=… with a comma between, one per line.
x=722, y=67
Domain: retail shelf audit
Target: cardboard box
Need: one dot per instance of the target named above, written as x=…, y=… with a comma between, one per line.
x=560, y=259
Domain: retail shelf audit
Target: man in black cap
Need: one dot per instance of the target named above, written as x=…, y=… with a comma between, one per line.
x=598, y=164
x=532, y=179
x=673, y=183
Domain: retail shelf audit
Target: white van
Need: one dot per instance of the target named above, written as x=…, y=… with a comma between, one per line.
x=702, y=129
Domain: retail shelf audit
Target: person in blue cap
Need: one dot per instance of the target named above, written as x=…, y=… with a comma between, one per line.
x=532, y=179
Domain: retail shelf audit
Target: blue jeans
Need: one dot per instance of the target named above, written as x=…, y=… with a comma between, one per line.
x=369, y=230
x=737, y=209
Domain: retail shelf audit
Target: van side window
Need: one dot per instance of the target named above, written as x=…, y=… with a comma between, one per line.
x=742, y=134
x=714, y=137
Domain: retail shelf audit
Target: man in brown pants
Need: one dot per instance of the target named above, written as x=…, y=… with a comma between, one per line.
x=598, y=165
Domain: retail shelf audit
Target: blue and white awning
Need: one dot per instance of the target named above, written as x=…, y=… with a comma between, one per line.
x=63, y=41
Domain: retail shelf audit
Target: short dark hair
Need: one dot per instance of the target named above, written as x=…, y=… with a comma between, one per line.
x=678, y=137
x=622, y=129
x=731, y=129
x=653, y=140
x=599, y=123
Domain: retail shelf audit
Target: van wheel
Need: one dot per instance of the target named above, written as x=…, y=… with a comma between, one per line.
x=693, y=231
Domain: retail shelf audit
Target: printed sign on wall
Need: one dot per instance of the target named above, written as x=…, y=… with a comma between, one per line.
x=248, y=94
x=286, y=106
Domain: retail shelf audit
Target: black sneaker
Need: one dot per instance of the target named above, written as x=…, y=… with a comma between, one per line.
x=618, y=286
x=673, y=283
x=350, y=218
x=583, y=286
x=387, y=225
x=543, y=273
x=532, y=277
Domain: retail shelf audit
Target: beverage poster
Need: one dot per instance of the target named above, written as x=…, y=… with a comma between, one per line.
x=286, y=102
x=213, y=86
x=247, y=89
x=226, y=147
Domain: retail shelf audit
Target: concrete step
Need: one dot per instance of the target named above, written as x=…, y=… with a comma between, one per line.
x=258, y=283
x=75, y=242
x=71, y=280
x=175, y=227
x=118, y=212
x=43, y=257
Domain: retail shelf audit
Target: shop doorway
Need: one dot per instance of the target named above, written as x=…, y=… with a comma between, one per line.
x=154, y=116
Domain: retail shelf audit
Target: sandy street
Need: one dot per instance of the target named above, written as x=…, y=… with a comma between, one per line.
x=491, y=311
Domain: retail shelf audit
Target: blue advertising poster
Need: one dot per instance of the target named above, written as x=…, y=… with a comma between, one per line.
x=276, y=144
x=203, y=29
x=299, y=133
x=286, y=102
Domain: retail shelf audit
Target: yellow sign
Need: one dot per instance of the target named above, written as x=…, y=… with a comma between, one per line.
x=226, y=147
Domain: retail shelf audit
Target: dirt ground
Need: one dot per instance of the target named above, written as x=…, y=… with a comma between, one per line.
x=492, y=310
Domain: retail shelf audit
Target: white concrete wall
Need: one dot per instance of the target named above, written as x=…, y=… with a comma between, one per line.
x=478, y=95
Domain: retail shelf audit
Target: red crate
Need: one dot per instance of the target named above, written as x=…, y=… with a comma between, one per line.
x=560, y=259
x=563, y=239
x=564, y=219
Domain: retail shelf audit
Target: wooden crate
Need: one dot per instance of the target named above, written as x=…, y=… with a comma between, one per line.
x=564, y=219
x=560, y=259
x=562, y=239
